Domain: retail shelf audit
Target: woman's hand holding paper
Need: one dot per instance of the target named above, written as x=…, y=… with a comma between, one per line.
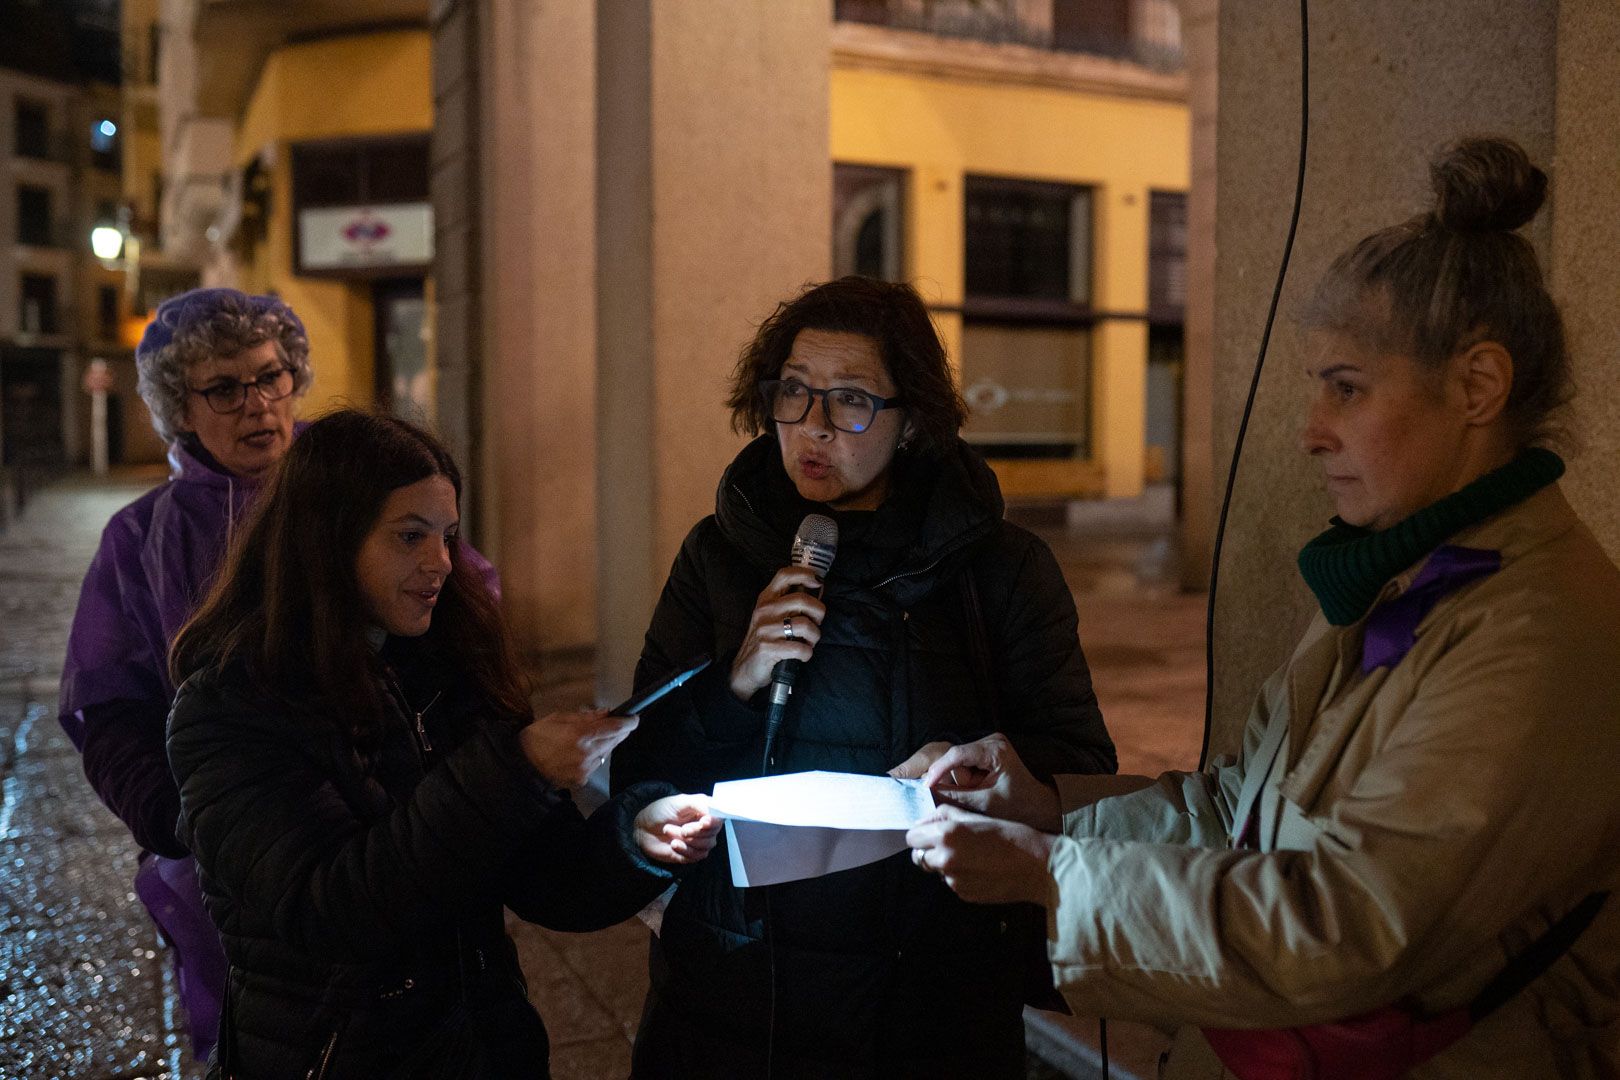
x=988, y=777
x=982, y=859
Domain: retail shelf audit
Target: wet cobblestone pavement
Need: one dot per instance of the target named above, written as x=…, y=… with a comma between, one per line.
x=85, y=989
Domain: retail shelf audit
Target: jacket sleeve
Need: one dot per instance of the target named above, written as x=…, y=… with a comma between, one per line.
x=112, y=653
x=582, y=875
x=700, y=733
x=270, y=830
x=114, y=697
x=1051, y=716
x=125, y=762
x=1481, y=809
x=1193, y=808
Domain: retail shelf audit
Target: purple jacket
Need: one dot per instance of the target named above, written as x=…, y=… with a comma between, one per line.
x=158, y=556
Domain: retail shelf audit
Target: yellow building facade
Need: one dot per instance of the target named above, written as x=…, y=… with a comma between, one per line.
x=348, y=89
x=947, y=116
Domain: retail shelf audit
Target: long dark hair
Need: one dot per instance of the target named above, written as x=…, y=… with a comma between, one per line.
x=287, y=603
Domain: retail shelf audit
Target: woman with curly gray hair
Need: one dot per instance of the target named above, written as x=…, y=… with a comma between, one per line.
x=220, y=371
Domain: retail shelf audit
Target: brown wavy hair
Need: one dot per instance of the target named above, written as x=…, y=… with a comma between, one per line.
x=1459, y=274
x=288, y=605
x=893, y=316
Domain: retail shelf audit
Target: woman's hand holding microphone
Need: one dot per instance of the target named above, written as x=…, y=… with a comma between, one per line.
x=786, y=625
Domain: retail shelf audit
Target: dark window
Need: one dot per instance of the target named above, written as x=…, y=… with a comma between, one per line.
x=1091, y=25
x=1167, y=257
x=358, y=173
x=1027, y=240
x=154, y=51
x=33, y=215
x=107, y=311
x=866, y=11
x=38, y=304
x=868, y=221
x=1026, y=317
x=33, y=130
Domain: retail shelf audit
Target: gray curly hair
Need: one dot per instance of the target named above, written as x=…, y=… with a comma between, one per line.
x=204, y=323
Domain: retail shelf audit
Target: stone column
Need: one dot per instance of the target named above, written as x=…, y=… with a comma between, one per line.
x=455, y=178
x=1391, y=82
x=713, y=203
x=539, y=316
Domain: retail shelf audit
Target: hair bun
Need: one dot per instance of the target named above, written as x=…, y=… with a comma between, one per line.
x=1486, y=185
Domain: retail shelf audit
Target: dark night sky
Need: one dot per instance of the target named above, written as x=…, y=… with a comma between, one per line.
x=71, y=40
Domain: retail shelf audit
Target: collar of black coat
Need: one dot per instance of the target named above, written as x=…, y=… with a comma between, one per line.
x=937, y=512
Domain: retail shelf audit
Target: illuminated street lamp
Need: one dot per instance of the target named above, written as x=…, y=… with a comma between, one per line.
x=107, y=241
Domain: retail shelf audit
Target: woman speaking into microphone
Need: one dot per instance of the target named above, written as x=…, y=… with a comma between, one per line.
x=936, y=623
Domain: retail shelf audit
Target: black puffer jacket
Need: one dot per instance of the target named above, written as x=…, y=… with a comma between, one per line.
x=360, y=902
x=880, y=970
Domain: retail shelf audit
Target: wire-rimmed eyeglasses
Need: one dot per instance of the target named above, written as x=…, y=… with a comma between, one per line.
x=846, y=408
x=226, y=395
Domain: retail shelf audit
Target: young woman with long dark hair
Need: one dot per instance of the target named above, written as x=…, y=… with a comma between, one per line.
x=364, y=785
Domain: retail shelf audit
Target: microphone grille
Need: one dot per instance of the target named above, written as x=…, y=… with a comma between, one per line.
x=816, y=543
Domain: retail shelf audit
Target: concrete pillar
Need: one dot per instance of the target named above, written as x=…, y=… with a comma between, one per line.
x=1391, y=83
x=713, y=203
x=1201, y=475
x=539, y=260
x=456, y=176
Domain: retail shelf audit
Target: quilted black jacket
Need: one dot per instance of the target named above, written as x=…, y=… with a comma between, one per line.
x=360, y=901
x=880, y=970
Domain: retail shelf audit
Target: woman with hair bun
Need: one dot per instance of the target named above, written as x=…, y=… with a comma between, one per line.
x=1405, y=870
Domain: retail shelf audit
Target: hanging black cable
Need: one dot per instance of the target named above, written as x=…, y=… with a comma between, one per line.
x=1254, y=383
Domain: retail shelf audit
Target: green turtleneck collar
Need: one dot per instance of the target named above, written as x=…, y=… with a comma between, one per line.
x=1346, y=566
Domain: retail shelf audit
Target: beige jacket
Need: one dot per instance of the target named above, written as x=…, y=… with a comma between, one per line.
x=1418, y=826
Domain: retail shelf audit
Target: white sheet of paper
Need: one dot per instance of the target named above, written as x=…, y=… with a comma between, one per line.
x=804, y=825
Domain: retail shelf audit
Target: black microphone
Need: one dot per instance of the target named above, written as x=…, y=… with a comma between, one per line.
x=814, y=546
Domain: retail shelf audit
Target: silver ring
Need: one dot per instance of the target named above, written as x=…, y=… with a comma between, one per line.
x=601, y=761
x=787, y=628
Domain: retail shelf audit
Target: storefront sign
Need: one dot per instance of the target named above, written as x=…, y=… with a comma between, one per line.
x=338, y=238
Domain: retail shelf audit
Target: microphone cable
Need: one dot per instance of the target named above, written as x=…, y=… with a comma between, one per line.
x=1254, y=382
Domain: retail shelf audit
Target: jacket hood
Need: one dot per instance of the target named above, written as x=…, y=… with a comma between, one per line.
x=938, y=511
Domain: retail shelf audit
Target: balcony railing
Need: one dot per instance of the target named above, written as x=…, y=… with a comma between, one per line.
x=1153, y=40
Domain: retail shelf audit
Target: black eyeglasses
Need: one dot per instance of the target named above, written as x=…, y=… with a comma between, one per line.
x=227, y=395
x=846, y=408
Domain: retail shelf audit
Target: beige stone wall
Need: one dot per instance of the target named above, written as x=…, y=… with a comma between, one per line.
x=1586, y=247
x=1391, y=82
x=539, y=270
x=713, y=201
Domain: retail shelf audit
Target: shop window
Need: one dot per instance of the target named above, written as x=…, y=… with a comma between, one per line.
x=38, y=308
x=33, y=215
x=1026, y=317
x=868, y=221
x=33, y=129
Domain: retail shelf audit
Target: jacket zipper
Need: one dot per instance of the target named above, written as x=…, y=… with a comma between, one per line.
x=319, y=1069
x=423, y=746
